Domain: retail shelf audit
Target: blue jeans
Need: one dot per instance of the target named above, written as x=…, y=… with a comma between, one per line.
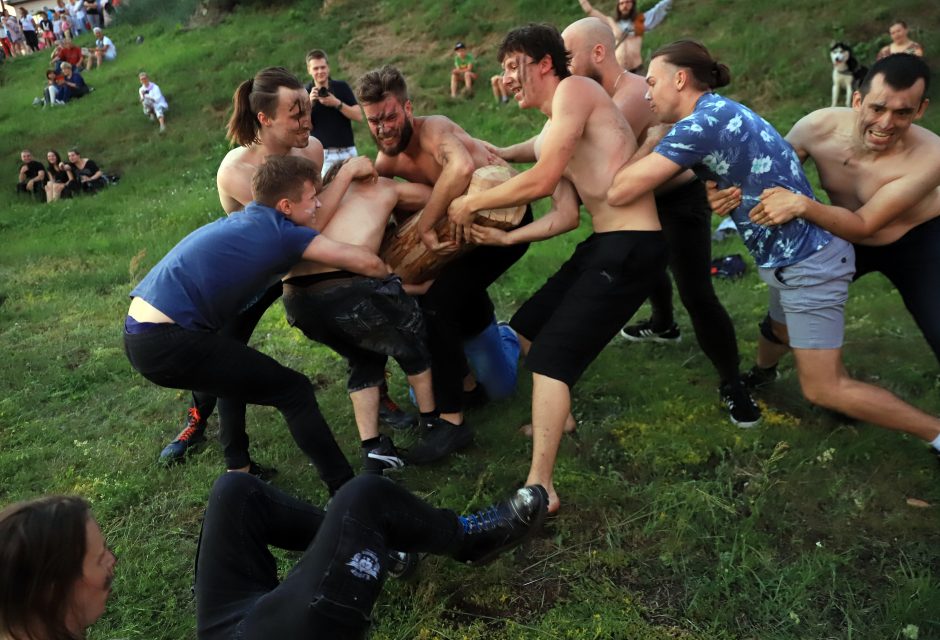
x=493, y=356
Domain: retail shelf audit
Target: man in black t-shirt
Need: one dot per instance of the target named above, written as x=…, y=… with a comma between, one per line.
x=32, y=175
x=333, y=106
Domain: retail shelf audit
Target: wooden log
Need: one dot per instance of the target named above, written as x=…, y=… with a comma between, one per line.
x=403, y=249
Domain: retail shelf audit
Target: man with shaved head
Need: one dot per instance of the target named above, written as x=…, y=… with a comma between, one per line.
x=685, y=217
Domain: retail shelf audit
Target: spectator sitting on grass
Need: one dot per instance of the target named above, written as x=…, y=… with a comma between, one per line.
x=87, y=172
x=62, y=182
x=54, y=93
x=68, y=52
x=32, y=175
x=104, y=49
x=152, y=98
x=74, y=81
x=462, y=71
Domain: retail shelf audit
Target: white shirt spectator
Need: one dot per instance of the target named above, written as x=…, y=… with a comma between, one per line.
x=152, y=98
x=104, y=42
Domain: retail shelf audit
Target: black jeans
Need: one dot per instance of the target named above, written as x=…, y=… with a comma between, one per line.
x=686, y=220
x=331, y=590
x=365, y=320
x=173, y=357
x=233, y=435
x=457, y=308
x=912, y=264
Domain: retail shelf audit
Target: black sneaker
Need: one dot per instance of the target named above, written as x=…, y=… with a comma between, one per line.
x=502, y=526
x=193, y=433
x=391, y=415
x=438, y=438
x=757, y=377
x=402, y=564
x=644, y=332
x=475, y=398
x=382, y=457
x=744, y=411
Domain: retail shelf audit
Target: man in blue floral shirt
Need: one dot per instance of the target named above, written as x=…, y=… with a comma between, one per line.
x=807, y=269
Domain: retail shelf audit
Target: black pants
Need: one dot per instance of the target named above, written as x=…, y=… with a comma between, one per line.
x=912, y=264
x=686, y=220
x=330, y=592
x=173, y=357
x=365, y=320
x=457, y=308
x=233, y=435
x=573, y=316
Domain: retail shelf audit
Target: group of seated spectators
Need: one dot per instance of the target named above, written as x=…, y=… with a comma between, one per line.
x=57, y=179
x=64, y=80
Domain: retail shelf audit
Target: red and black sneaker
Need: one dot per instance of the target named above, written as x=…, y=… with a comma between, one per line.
x=193, y=433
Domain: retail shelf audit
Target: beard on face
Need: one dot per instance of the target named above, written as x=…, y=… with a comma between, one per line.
x=407, y=130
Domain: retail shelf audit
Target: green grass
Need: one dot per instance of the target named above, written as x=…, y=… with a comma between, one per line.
x=675, y=523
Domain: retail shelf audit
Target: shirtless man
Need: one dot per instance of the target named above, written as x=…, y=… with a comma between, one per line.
x=567, y=323
x=271, y=117
x=685, y=217
x=366, y=320
x=882, y=175
x=434, y=151
x=628, y=27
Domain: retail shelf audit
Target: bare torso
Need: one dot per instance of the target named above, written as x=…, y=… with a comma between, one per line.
x=629, y=52
x=605, y=145
x=360, y=219
x=233, y=178
x=852, y=176
x=417, y=164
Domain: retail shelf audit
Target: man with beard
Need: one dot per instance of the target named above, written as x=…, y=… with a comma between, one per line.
x=882, y=175
x=435, y=151
x=685, y=217
x=628, y=27
x=271, y=117
x=568, y=322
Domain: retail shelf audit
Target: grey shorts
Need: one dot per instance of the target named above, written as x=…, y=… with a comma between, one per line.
x=809, y=296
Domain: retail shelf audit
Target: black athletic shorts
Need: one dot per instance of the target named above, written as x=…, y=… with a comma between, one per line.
x=580, y=308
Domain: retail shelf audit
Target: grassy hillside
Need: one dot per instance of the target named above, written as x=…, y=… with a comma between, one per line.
x=675, y=524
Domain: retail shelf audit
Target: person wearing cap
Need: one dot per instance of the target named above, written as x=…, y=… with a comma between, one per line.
x=463, y=69
x=104, y=49
x=153, y=100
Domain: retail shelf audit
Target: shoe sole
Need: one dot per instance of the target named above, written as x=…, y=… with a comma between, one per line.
x=656, y=339
x=535, y=526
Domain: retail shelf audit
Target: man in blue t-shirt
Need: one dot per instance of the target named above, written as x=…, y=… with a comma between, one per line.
x=171, y=331
x=807, y=269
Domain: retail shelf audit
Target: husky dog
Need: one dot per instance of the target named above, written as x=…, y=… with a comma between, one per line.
x=846, y=72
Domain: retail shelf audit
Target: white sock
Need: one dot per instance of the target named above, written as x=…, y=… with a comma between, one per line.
x=935, y=443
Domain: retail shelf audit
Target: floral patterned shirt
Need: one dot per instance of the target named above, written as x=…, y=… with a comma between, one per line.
x=725, y=141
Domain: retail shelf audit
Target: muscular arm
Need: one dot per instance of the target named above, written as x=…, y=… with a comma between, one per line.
x=570, y=113
x=412, y=196
x=639, y=177
x=561, y=218
x=345, y=256
x=358, y=167
x=519, y=152
x=458, y=168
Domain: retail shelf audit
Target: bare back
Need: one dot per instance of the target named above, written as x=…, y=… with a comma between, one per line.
x=853, y=177
x=233, y=178
x=606, y=143
x=630, y=98
x=360, y=219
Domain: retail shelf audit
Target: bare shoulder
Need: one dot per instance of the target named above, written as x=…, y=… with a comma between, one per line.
x=313, y=151
x=926, y=146
x=820, y=123
x=578, y=88
x=433, y=128
x=384, y=164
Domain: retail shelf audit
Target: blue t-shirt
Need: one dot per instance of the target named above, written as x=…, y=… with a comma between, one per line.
x=725, y=141
x=219, y=269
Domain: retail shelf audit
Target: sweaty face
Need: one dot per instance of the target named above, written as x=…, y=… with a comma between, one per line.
x=291, y=123
x=91, y=591
x=662, y=93
x=390, y=123
x=319, y=70
x=885, y=114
